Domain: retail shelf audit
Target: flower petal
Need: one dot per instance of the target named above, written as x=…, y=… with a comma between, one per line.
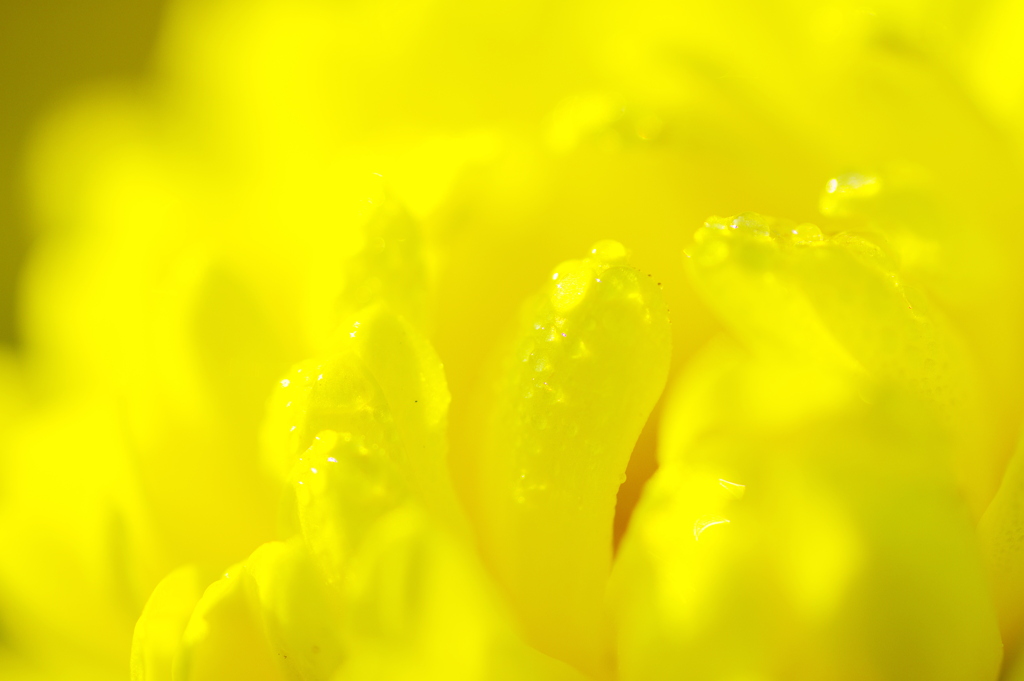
x=848, y=556
x=590, y=362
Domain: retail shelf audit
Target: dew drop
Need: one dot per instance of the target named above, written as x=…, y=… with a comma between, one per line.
x=806, y=233
x=609, y=251
x=574, y=279
x=752, y=224
x=843, y=192
x=718, y=223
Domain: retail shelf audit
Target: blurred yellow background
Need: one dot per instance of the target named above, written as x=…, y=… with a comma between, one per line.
x=47, y=49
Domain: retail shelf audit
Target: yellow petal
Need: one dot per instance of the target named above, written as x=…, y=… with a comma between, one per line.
x=342, y=485
x=386, y=388
x=79, y=556
x=158, y=632
x=787, y=291
x=225, y=637
x=590, y=361
x=848, y=554
x=390, y=268
x=412, y=379
x=1002, y=536
x=335, y=393
x=302, y=617
x=421, y=608
x=272, y=617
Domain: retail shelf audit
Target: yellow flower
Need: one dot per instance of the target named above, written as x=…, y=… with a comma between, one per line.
x=306, y=393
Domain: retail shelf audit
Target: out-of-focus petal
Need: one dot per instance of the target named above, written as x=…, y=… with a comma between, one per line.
x=302, y=616
x=1002, y=536
x=225, y=636
x=158, y=631
x=79, y=557
x=804, y=531
x=421, y=607
x=788, y=292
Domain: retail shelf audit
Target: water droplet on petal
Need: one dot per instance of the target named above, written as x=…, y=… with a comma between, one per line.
x=716, y=222
x=752, y=224
x=571, y=287
x=806, y=233
x=610, y=252
x=843, y=192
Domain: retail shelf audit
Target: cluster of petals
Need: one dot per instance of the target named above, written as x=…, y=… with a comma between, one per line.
x=393, y=340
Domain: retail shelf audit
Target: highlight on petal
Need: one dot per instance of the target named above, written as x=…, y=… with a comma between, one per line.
x=589, y=362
